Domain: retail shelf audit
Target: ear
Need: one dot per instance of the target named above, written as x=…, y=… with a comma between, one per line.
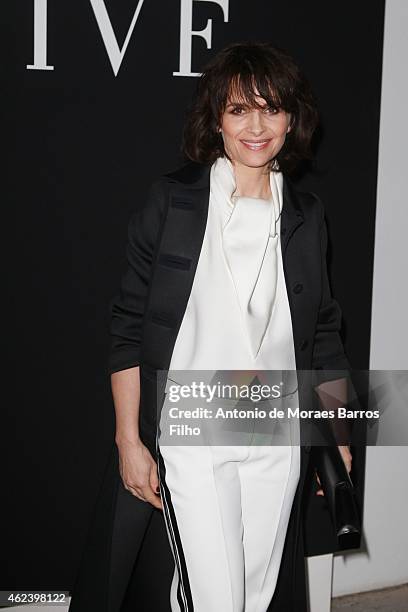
x=290, y=124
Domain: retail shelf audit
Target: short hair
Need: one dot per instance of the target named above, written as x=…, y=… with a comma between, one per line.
x=237, y=69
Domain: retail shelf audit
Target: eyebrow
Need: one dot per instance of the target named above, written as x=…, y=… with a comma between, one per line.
x=244, y=104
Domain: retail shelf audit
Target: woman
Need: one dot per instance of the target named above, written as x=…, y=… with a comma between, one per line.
x=226, y=271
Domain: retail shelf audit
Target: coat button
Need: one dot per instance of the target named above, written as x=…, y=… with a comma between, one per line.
x=304, y=344
x=283, y=231
x=298, y=288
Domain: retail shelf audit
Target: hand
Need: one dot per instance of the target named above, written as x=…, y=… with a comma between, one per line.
x=138, y=471
x=347, y=458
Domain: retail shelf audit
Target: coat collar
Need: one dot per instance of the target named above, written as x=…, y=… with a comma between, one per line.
x=196, y=175
x=196, y=178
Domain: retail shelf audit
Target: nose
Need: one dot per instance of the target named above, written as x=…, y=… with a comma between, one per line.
x=256, y=120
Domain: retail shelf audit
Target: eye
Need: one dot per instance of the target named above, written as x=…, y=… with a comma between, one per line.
x=236, y=110
x=272, y=110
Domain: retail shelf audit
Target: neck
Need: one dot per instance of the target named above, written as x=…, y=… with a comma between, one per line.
x=252, y=182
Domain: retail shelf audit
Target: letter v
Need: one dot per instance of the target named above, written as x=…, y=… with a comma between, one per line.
x=115, y=54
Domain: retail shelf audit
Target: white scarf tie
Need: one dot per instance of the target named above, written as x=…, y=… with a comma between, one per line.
x=250, y=239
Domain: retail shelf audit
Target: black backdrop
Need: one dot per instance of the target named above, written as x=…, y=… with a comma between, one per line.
x=85, y=146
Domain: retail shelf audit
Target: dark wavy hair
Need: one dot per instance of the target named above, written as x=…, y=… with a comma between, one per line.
x=237, y=70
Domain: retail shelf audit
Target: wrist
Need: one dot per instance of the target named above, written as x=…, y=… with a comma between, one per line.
x=122, y=440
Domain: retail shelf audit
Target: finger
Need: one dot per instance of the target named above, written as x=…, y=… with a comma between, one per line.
x=154, y=480
x=348, y=465
x=137, y=492
x=320, y=492
x=158, y=503
x=151, y=497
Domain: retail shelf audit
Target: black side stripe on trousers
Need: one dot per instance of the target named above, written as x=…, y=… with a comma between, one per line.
x=185, y=598
x=180, y=595
x=161, y=473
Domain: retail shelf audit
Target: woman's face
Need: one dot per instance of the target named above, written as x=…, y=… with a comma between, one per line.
x=253, y=136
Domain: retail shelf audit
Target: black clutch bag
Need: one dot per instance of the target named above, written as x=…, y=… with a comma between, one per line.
x=339, y=493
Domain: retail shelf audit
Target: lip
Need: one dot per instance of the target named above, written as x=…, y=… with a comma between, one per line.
x=253, y=145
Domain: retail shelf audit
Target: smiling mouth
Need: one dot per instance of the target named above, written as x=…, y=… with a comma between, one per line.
x=255, y=145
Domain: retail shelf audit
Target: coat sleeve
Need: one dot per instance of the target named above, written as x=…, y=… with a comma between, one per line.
x=328, y=351
x=128, y=306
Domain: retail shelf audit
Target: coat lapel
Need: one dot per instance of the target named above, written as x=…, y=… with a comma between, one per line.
x=176, y=261
x=197, y=176
x=292, y=213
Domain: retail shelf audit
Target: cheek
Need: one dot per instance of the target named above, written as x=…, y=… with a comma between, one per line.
x=229, y=129
x=281, y=128
x=230, y=136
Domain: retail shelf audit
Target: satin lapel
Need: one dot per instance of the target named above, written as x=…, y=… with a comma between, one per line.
x=292, y=218
x=292, y=215
x=176, y=262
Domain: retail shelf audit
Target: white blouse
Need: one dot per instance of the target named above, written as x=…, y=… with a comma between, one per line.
x=237, y=316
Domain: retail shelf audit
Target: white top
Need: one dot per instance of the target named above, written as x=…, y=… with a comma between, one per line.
x=237, y=316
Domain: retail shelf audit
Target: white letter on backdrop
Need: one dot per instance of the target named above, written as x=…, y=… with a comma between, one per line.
x=115, y=54
x=40, y=37
x=187, y=33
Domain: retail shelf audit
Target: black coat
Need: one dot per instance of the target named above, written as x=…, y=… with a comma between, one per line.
x=164, y=243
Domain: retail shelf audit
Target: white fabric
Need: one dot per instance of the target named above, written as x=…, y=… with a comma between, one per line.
x=250, y=240
x=213, y=334
x=232, y=503
x=232, y=506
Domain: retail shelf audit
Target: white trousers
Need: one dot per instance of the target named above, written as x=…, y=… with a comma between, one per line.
x=226, y=510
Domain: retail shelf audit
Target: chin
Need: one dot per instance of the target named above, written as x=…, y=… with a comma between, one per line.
x=256, y=161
